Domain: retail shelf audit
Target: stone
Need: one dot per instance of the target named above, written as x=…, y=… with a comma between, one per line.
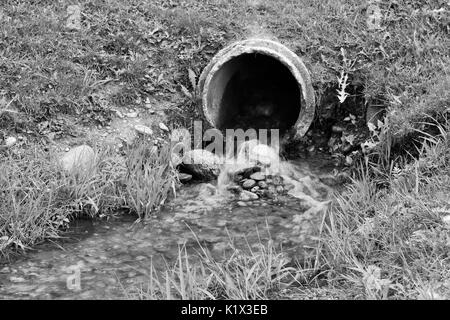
x=202, y=164
x=184, y=177
x=262, y=184
x=234, y=189
x=248, y=184
x=289, y=186
x=348, y=161
x=337, y=129
x=119, y=114
x=258, y=176
x=81, y=158
x=279, y=189
x=248, y=196
x=246, y=172
x=254, y=189
x=277, y=180
x=241, y=204
x=311, y=149
x=264, y=155
x=133, y=114
x=10, y=141
x=73, y=21
x=143, y=129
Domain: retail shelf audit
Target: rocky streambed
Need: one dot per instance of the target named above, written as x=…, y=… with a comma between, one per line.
x=247, y=205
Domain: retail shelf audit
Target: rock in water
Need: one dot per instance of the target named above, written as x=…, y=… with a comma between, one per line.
x=262, y=184
x=202, y=164
x=248, y=196
x=78, y=159
x=264, y=155
x=248, y=184
x=258, y=176
x=143, y=129
x=247, y=171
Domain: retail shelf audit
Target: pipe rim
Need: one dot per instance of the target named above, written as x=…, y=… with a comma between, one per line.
x=277, y=51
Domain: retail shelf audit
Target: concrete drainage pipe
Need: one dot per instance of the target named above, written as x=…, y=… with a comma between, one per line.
x=260, y=84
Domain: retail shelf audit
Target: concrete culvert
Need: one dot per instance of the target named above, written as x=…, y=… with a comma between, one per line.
x=260, y=84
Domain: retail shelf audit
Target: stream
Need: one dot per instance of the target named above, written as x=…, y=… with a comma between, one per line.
x=116, y=254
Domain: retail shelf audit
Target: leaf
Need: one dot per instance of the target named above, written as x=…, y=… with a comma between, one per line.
x=380, y=124
x=186, y=91
x=192, y=78
x=372, y=127
x=350, y=138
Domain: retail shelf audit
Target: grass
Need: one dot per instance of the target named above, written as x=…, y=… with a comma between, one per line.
x=151, y=178
x=393, y=242
x=384, y=236
x=130, y=50
x=246, y=274
x=39, y=199
x=379, y=241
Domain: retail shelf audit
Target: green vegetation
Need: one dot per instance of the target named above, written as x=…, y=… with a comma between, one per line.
x=384, y=237
x=38, y=199
x=129, y=50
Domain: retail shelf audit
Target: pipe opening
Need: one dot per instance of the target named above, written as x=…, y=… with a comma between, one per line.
x=255, y=90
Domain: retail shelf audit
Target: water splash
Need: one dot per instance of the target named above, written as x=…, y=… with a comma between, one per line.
x=253, y=153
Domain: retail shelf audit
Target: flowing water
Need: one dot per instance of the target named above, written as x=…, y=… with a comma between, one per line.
x=116, y=254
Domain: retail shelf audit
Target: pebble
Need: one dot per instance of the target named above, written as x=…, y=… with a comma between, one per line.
x=10, y=141
x=277, y=180
x=132, y=114
x=348, y=160
x=234, y=189
x=446, y=220
x=119, y=114
x=16, y=279
x=337, y=129
x=248, y=184
x=254, y=189
x=262, y=184
x=258, y=176
x=143, y=129
x=289, y=187
x=5, y=270
x=246, y=172
x=248, y=196
x=280, y=189
x=73, y=21
x=241, y=204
